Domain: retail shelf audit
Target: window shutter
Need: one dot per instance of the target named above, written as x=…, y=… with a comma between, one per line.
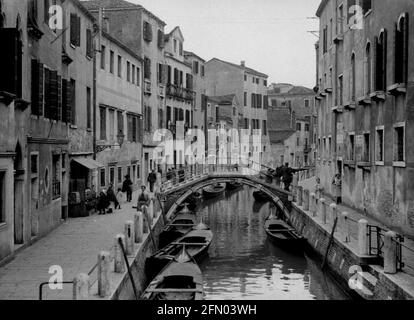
x=47, y=93
x=59, y=98
x=78, y=30
x=406, y=41
x=9, y=60
x=35, y=87
x=149, y=119
x=384, y=61
x=68, y=108
x=395, y=53
x=53, y=94
x=140, y=130
x=73, y=24
x=89, y=43
x=376, y=57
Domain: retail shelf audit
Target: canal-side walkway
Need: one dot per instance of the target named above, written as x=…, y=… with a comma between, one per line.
x=405, y=277
x=74, y=246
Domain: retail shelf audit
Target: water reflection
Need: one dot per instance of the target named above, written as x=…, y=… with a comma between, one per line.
x=243, y=264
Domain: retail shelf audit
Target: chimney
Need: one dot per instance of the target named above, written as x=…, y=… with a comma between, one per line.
x=243, y=63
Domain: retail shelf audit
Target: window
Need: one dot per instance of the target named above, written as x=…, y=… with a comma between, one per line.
x=111, y=125
x=245, y=77
x=368, y=70
x=2, y=196
x=103, y=57
x=253, y=100
x=253, y=80
x=381, y=64
x=401, y=49
x=306, y=103
x=181, y=48
x=353, y=77
x=89, y=43
x=175, y=45
x=75, y=28
x=274, y=103
x=102, y=177
x=134, y=172
x=56, y=175
x=112, y=175
x=366, y=150
x=202, y=70
x=133, y=73
x=257, y=80
x=111, y=61
x=265, y=83
x=379, y=145
x=147, y=68
x=246, y=123
x=119, y=66
x=265, y=102
x=325, y=39
x=138, y=76
x=73, y=101
x=351, y=146
x=329, y=147
x=138, y=172
x=195, y=67
x=264, y=127
x=160, y=73
x=132, y=128
x=245, y=99
x=102, y=118
x=88, y=108
x=119, y=174
x=147, y=31
x=399, y=144
x=120, y=121
x=160, y=38
x=341, y=90
x=298, y=126
x=128, y=71
x=307, y=127
x=297, y=141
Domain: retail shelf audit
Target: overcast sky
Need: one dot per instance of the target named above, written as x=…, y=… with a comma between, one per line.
x=270, y=35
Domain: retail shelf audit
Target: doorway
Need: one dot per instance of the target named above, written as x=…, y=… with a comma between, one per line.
x=18, y=196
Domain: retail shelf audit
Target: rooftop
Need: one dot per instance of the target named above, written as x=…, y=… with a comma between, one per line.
x=189, y=53
x=279, y=136
x=247, y=69
x=226, y=99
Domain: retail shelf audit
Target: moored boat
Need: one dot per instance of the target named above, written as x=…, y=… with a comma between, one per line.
x=233, y=185
x=261, y=196
x=214, y=190
x=196, y=241
x=283, y=234
x=181, y=279
x=179, y=226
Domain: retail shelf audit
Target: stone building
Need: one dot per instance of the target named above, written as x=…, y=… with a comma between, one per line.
x=46, y=74
x=119, y=114
x=143, y=33
x=301, y=101
x=250, y=87
x=365, y=100
x=180, y=97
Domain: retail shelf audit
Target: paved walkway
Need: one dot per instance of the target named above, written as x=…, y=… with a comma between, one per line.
x=74, y=246
x=408, y=256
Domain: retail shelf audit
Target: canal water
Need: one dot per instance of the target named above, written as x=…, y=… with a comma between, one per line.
x=244, y=264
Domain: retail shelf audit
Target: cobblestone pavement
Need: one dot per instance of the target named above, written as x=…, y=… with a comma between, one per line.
x=74, y=246
x=408, y=256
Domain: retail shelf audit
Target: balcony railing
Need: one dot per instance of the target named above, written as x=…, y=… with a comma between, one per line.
x=179, y=92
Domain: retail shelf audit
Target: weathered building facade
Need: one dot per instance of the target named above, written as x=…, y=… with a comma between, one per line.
x=365, y=102
x=301, y=101
x=250, y=87
x=143, y=33
x=119, y=114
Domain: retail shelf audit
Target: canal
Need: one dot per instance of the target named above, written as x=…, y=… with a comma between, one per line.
x=243, y=264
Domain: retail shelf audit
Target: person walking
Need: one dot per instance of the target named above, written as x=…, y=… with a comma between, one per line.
x=119, y=198
x=152, y=178
x=337, y=188
x=103, y=202
x=112, y=196
x=143, y=199
x=127, y=188
x=287, y=175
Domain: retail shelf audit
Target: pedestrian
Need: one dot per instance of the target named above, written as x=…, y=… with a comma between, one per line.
x=127, y=188
x=318, y=188
x=112, y=196
x=103, y=202
x=119, y=198
x=152, y=178
x=143, y=198
x=287, y=175
x=337, y=188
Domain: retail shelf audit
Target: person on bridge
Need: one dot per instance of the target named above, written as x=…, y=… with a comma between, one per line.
x=143, y=199
x=152, y=178
x=287, y=175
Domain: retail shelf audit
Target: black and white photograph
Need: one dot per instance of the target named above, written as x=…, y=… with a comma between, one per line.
x=223, y=151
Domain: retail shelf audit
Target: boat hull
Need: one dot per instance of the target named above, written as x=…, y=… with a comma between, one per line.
x=283, y=235
x=213, y=192
x=260, y=196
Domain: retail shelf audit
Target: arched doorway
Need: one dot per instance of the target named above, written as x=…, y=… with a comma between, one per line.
x=18, y=195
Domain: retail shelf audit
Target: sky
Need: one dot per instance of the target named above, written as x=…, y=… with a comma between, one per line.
x=270, y=35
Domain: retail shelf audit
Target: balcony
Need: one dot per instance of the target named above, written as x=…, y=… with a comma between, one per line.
x=147, y=86
x=178, y=92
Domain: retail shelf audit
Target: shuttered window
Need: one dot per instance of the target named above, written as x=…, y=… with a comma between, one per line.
x=120, y=120
x=161, y=43
x=88, y=108
x=73, y=101
x=11, y=61
x=147, y=68
x=102, y=122
x=37, y=88
x=89, y=43
x=147, y=32
x=75, y=30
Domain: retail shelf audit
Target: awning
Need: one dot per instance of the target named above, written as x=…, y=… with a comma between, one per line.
x=89, y=163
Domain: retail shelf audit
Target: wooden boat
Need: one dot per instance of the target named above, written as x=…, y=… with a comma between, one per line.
x=194, y=200
x=261, y=196
x=197, y=242
x=283, y=234
x=179, y=226
x=181, y=279
x=233, y=185
x=214, y=190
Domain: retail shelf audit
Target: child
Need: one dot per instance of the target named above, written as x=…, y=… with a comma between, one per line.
x=119, y=197
x=318, y=188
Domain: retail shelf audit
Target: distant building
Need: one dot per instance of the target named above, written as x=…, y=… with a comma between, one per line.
x=250, y=87
x=119, y=114
x=301, y=101
x=365, y=103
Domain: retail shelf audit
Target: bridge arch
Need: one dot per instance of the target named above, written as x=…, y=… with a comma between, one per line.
x=198, y=186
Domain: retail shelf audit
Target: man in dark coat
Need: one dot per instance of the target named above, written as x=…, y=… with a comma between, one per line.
x=152, y=178
x=287, y=175
x=127, y=187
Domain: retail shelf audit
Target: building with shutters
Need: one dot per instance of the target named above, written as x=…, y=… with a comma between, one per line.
x=143, y=33
x=365, y=106
x=46, y=86
x=180, y=96
x=119, y=114
x=301, y=101
x=250, y=87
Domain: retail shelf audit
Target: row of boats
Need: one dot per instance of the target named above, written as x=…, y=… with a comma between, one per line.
x=184, y=242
